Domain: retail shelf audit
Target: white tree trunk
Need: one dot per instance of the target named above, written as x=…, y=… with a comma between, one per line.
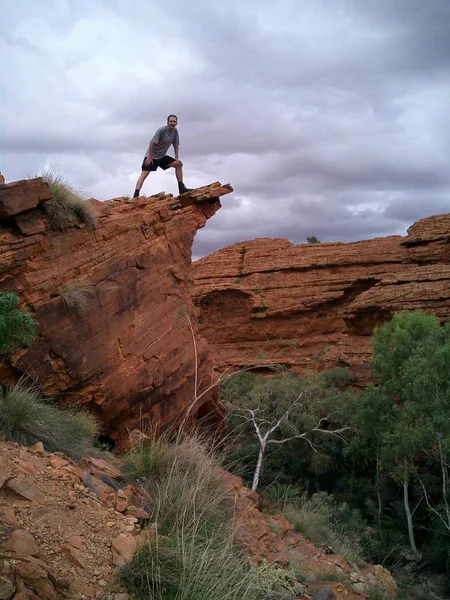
x=445, y=486
x=412, y=541
x=380, y=507
x=257, y=474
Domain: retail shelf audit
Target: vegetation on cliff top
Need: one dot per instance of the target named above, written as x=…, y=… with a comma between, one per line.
x=67, y=207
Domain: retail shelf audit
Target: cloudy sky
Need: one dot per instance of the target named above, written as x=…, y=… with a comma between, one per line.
x=329, y=117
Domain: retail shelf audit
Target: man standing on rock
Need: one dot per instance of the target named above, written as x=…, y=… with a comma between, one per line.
x=156, y=155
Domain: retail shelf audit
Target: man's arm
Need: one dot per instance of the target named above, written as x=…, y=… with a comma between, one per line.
x=149, y=158
x=176, y=144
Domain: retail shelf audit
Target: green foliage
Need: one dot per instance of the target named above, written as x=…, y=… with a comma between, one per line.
x=399, y=439
x=281, y=495
x=313, y=240
x=324, y=521
x=77, y=296
x=16, y=326
x=376, y=592
x=330, y=575
x=412, y=361
x=337, y=378
x=437, y=550
x=67, y=207
x=299, y=402
x=311, y=517
x=179, y=567
x=308, y=399
x=26, y=419
x=403, y=433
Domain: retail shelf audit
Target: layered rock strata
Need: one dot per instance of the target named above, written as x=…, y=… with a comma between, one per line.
x=314, y=306
x=117, y=330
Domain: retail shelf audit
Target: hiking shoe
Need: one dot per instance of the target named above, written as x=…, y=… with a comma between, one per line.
x=183, y=189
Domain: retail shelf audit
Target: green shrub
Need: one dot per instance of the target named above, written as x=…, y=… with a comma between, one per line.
x=16, y=326
x=311, y=517
x=67, y=207
x=330, y=575
x=323, y=521
x=281, y=495
x=77, y=296
x=27, y=419
x=180, y=566
x=376, y=592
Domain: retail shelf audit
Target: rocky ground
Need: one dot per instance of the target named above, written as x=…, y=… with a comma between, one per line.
x=64, y=528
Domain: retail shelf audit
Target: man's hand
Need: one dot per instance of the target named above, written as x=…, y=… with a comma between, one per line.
x=148, y=161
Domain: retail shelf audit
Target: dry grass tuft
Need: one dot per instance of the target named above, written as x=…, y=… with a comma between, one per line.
x=67, y=207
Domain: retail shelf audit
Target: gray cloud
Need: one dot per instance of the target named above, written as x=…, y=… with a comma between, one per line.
x=329, y=119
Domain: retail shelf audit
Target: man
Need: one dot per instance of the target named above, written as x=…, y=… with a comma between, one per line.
x=156, y=155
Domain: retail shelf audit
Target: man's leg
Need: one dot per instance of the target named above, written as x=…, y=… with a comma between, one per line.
x=178, y=166
x=143, y=176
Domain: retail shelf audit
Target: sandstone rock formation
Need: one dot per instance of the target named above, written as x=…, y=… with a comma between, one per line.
x=129, y=355
x=314, y=306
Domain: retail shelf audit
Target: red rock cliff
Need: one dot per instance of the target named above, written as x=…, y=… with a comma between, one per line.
x=314, y=306
x=129, y=356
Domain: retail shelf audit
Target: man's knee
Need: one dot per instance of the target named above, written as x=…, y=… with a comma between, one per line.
x=175, y=164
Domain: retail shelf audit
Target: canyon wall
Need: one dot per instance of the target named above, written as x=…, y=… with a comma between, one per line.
x=129, y=354
x=314, y=306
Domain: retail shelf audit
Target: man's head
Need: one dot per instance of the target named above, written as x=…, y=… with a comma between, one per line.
x=172, y=121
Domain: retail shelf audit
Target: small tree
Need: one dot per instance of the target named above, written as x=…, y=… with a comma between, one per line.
x=16, y=326
x=412, y=361
x=372, y=415
x=277, y=411
x=313, y=240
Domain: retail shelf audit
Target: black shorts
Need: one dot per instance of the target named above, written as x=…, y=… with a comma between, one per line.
x=162, y=163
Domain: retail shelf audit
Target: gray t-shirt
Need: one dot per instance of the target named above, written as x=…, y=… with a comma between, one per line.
x=163, y=139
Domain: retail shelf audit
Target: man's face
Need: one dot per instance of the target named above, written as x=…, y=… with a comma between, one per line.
x=172, y=123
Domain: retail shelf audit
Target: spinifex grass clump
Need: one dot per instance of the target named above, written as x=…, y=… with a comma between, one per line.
x=77, y=296
x=190, y=552
x=25, y=418
x=183, y=480
x=67, y=207
x=323, y=521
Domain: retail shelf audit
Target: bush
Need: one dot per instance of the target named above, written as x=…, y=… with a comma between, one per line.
x=77, y=296
x=16, y=326
x=323, y=521
x=311, y=517
x=67, y=207
x=27, y=419
x=281, y=495
x=376, y=592
x=179, y=567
